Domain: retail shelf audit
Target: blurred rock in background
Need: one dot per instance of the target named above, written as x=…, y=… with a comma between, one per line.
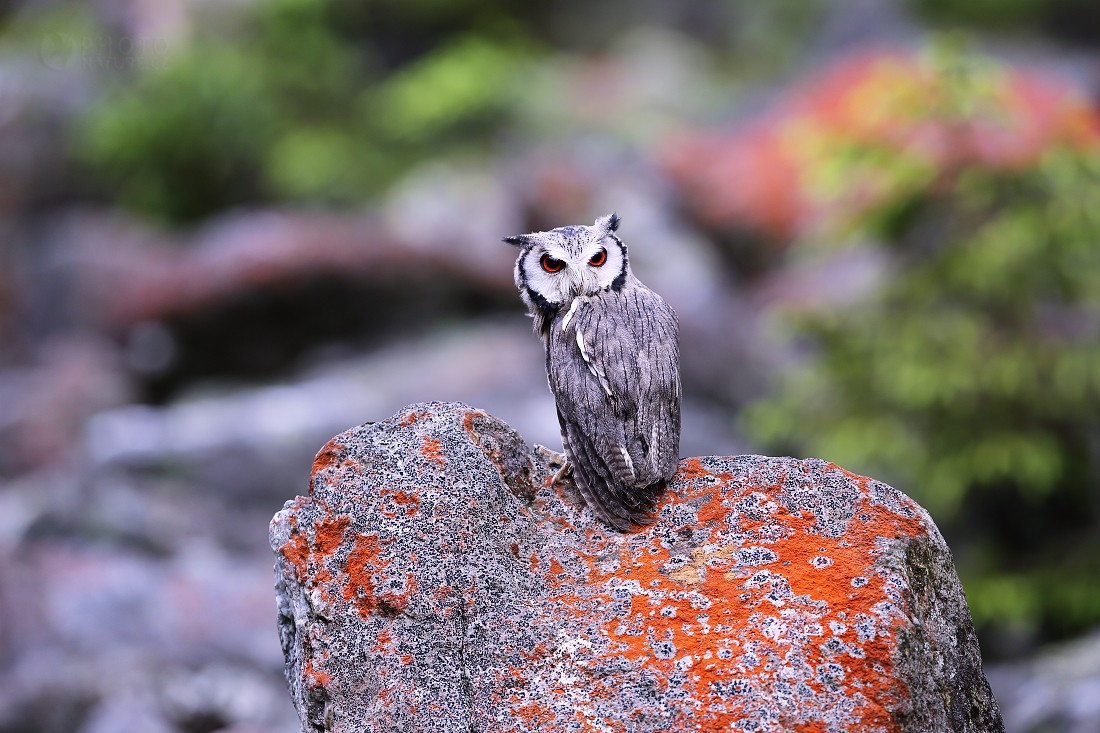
x=228, y=232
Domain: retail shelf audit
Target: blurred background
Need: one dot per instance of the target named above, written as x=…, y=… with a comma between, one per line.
x=231, y=230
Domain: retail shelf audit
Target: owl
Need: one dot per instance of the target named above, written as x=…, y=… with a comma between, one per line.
x=612, y=362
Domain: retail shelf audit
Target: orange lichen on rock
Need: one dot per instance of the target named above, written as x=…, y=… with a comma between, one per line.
x=767, y=600
x=363, y=561
x=392, y=602
x=327, y=456
x=308, y=557
x=360, y=590
x=411, y=417
x=691, y=468
x=432, y=449
x=296, y=552
x=330, y=532
x=314, y=677
x=407, y=499
x=332, y=455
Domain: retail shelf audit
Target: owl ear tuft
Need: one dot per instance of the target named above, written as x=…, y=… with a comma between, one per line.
x=609, y=223
x=519, y=240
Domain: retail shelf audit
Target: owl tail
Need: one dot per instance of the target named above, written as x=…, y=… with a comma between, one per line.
x=623, y=507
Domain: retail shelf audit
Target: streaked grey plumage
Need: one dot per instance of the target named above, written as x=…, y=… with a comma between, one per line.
x=612, y=362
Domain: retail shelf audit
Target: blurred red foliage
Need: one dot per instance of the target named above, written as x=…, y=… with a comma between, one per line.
x=913, y=109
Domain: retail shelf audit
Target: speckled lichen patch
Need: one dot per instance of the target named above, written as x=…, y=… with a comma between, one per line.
x=435, y=580
x=739, y=604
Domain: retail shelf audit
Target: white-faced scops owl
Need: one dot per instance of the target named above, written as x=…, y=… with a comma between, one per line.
x=612, y=362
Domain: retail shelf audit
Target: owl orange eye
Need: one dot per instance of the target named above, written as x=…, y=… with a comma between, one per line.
x=599, y=258
x=550, y=264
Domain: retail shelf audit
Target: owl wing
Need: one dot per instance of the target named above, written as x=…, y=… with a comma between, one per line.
x=614, y=367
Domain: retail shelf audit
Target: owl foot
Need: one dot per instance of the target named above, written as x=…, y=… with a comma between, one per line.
x=552, y=457
x=563, y=475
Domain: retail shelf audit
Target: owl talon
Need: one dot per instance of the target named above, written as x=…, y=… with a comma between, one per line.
x=552, y=457
x=563, y=475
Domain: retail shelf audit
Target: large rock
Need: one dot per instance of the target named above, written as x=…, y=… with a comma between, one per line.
x=434, y=580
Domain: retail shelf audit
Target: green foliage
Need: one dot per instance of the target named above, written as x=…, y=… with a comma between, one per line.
x=458, y=84
x=971, y=378
x=186, y=139
x=768, y=36
x=294, y=110
x=990, y=13
x=328, y=102
x=1074, y=20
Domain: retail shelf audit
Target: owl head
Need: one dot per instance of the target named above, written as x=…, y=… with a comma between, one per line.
x=555, y=267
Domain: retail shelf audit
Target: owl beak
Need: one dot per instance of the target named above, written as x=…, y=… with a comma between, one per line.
x=578, y=283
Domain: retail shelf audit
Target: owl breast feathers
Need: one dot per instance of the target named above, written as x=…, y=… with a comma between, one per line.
x=613, y=364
